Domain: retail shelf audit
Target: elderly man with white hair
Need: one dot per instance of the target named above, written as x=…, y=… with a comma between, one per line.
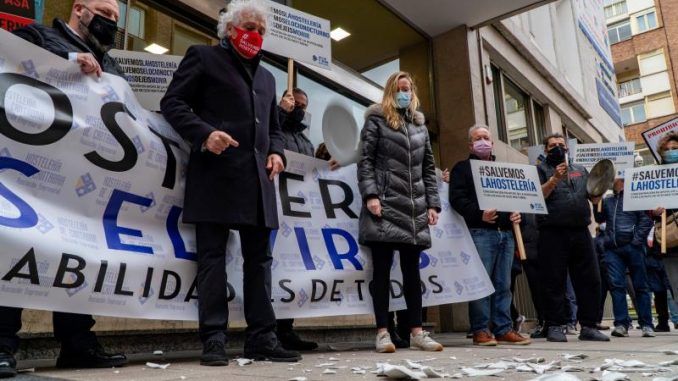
x=492, y=233
x=84, y=39
x=223, y=102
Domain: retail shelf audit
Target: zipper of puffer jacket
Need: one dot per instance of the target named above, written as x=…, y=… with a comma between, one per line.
x=614, y=221
x=409, y=166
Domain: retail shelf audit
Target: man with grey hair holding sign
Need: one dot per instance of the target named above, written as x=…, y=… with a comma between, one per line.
x=223, y=102
x=492, y=233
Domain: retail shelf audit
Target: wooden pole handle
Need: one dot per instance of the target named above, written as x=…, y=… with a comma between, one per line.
x=663, y=232
x=600, y=206
x=519, y=240
x=290, y=75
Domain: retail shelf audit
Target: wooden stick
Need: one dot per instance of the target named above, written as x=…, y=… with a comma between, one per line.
x=519, y=240
x=600, y=206
x=290, y=75
x=663, y=232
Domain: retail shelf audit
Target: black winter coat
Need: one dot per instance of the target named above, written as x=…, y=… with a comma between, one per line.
x=60, y=40
x=212, y=90
x=398, y=168
x=464, y=200
x=622, y=227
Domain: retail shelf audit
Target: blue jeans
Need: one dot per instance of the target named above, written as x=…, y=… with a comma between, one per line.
x=617, y=261
x=571, y=300
x=495, y=249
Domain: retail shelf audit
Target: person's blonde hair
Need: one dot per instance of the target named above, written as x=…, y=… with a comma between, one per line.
x=388, y=102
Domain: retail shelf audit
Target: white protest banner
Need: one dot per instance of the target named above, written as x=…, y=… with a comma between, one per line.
x=655, y=134
x=298, y=35
x=649, y=187
x=508, y=187
x=148, y=74
x=91, y=195
x=621, y=155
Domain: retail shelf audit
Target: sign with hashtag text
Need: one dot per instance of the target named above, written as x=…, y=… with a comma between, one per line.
x=508, y=187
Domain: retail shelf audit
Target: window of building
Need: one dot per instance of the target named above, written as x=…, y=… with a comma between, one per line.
x=137, y=22
x=660, y=105
x=653, y=62
x=520, y=119
x=615, y=8
x=633, y=113
x=630, y=88
x=619, y=31
x=647, y=21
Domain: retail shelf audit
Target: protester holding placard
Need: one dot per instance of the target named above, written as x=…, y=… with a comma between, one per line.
x=397, y=181
x=492, y=233
x=223, y=102
x=565, y=244
x=84, y=39
x=624, y=243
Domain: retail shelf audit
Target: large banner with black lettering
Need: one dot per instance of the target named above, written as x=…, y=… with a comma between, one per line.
x=91, y=195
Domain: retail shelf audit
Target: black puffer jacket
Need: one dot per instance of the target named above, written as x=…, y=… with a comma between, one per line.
x=398, y=168
x=60, y=40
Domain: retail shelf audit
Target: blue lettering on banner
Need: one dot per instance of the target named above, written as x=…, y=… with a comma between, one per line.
x=654, y=184
x=172, y=225
x=111, y=228
x=424, y=260
x=508, y=184
x=350, y=255
x=27, y=215
x=303, y=248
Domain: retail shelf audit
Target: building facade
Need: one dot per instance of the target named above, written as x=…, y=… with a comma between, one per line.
x=644, y=42
x=525, y=68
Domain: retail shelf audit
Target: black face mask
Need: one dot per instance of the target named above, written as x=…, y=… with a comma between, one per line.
x=101, y=34
x=297, y=114
x=556, y=155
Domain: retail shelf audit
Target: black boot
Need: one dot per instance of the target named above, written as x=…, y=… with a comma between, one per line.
x=592, y=334
x=7, y=363
x=398, y=341
x=556, y=333
x=93, y=357
x=276, y=354
x=662, y=326
x=292, y=342
x=213, y=354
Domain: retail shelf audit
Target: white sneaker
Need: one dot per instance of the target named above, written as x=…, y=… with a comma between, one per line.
x=384, y=343
x=424, y=342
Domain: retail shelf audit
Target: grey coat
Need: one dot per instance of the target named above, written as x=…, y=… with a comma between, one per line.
x=398, y=168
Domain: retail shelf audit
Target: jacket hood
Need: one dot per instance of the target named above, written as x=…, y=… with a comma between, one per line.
x=376, y=110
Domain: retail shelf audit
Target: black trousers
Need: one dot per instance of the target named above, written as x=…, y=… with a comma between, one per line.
x=661, y=305
x=531, y=269
x=285, y=325
x=211, y=240
x=560, y=250
x=382, y=260
x=73, y=331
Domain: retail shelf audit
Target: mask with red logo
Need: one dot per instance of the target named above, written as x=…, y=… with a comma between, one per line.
x=247, y=42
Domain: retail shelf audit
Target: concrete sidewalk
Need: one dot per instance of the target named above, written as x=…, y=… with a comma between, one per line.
x=458, y=353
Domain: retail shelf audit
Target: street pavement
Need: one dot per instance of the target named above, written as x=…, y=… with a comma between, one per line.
x=341, y=358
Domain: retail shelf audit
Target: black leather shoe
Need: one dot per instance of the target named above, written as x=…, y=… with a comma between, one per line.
x=7, y=364
x=539, y=332
x=277, y=354
x=662, y=327
x=592, y=334
x=213, y=354
x=556, y=333
x=398, y=341
x=94, y=357
x=292, y=342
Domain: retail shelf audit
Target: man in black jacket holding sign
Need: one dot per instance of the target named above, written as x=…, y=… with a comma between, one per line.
x=492, y=234
x=565, y=243
x=85, y=39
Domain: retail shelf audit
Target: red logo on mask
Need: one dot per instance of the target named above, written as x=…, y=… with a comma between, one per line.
x=247, y=42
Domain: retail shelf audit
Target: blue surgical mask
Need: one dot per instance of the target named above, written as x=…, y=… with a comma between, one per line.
x=671, y=157
x=403, y=99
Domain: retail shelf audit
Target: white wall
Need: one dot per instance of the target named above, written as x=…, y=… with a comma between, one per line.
x=638, y=5
x=655, y=83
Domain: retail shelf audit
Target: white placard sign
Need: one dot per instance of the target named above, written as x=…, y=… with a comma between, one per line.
x=149, y=75
x=655, y=134
x=91, y=197
x=649, y=187
x=621, y=155
x=508, y=187
x=298, y=35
